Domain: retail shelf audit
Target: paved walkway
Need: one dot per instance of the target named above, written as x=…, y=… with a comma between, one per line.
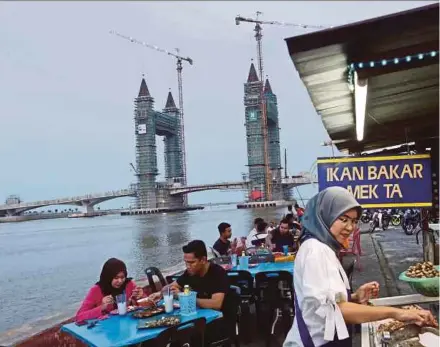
x=386, y=255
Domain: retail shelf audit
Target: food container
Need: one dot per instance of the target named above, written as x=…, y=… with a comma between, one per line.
x=285, y=259
x=424, y=286
x=188, y=303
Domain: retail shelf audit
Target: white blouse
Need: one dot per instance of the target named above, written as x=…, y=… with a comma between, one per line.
x=320, y=282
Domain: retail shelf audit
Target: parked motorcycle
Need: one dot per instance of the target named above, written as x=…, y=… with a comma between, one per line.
x=386, y=219
x=397, y=218
x=380, y=215
x=366, y=216
x=411, y=220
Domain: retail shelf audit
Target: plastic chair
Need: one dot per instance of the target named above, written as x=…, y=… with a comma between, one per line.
x=274, y=291
x=190, y=333
x=154, y=271
x=214, y=252
x=162, y=340
x=228, y=331
x=244, y=281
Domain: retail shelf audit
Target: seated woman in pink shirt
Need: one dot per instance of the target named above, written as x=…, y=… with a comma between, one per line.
x=100, y=299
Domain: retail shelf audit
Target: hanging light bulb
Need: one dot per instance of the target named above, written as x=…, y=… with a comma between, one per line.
x=420, y=56
x=384, y=62
x=408, y=58
x=396, y=60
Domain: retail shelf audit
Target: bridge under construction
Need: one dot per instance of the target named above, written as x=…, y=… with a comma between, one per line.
x=152, y=194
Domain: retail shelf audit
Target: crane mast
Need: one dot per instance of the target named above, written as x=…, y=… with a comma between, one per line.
x=258, y=36
x=179, y=68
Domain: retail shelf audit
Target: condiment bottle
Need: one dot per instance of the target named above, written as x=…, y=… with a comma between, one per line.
x=186, y=289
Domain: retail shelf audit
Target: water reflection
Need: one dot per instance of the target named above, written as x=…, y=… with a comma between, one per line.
x=158, y=240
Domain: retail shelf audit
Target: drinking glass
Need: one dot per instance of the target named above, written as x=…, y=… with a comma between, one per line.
x=121, y=301
x=234, y=260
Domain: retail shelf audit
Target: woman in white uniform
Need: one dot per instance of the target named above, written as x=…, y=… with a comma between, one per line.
x=324, y=305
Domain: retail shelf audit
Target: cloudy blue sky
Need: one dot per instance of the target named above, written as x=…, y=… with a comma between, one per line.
x=67, y=89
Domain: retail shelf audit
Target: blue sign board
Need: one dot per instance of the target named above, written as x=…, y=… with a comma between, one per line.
x=382, y=181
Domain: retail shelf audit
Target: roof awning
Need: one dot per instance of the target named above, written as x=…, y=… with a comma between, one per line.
x=398, y=54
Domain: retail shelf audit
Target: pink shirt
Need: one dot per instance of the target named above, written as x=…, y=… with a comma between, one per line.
x=91, y=306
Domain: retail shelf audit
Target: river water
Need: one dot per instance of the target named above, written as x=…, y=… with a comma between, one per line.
x=46, y=265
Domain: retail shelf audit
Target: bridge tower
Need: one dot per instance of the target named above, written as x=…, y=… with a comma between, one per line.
x=255, y=137
x=146, y=155
x=148, y=124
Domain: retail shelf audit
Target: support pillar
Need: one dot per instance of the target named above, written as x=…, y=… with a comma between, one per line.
x=88, y=207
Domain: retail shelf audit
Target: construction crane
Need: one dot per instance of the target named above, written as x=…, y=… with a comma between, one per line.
x=179, y=60
x=258, y=36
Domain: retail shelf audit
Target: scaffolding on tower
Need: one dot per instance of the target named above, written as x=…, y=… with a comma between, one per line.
x=179, y=67
x=271, y=155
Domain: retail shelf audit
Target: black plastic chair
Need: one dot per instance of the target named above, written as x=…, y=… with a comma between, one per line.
x=261, y=258
x=190, y=333
x=226, y=329
x=162, y=340
x=154, y=271
x=274, y=291
x=245, y=282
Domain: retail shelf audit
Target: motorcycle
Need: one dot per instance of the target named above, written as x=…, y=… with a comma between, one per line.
x=380, y=218
x=411, y=221
x=397, y=218
x=366, y=216
x=386, y=219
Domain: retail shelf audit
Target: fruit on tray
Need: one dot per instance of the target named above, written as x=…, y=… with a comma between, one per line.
x=422, y=270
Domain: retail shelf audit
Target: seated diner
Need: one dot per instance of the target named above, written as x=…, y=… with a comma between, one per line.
x=257, y=236
x=280, y=237
x=223, y=246
x=101, y=298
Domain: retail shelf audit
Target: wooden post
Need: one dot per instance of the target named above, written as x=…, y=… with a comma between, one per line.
x=428, y=237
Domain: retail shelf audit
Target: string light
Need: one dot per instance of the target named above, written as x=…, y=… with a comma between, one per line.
x=385, y=62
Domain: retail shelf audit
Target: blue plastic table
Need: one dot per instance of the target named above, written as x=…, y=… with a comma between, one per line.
x=264, y=267
x=119, y=331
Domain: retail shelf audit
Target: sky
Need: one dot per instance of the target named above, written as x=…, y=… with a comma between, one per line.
x=67, y=88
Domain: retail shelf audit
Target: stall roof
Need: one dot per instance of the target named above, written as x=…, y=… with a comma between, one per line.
x=402, y=103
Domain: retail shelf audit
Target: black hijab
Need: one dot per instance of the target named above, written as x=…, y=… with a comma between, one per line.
x=109, y=271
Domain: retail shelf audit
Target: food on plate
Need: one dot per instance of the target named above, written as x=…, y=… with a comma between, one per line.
x=145, y=302
x=151, y=311
x=167, y=321
x=422, y=270
x=129, y=309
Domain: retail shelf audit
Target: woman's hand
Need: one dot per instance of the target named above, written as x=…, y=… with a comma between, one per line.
x=366, y=292
x=138, y=293
x=418, y=317
x=106, y=301
x=155, y=297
